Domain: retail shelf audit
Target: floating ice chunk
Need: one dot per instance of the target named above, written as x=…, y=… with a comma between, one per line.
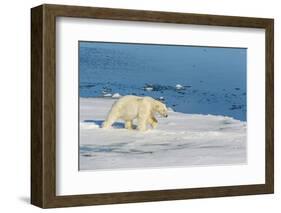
x=116, y=95
x=107, y=95
x=106, y=90
x=148, y=88
x=178, y=86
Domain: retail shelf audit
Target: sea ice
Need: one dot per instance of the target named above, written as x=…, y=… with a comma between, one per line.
x=179, y=140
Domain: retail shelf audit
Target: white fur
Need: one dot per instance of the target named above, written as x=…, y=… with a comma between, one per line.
x=132, y=107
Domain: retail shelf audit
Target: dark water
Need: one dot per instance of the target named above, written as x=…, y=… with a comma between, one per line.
x=213, y=80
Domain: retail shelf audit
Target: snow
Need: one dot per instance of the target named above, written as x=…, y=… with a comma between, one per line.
x=179, y=140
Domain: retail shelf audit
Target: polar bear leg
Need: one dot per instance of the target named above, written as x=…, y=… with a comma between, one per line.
x=143, y=115
x=142, y=125
x=153, y=122
x=107, y=123
x=128, y=124
x=109, y=120
x=142, y=122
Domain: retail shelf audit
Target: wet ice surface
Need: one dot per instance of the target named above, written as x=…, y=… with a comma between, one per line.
x=179, y=140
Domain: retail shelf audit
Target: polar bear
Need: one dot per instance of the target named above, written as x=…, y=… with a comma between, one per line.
x=132, y=107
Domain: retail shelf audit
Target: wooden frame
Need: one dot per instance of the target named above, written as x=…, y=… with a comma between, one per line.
x=43, y=105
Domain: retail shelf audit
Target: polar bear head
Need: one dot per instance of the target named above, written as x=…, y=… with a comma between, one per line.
x=160, y=108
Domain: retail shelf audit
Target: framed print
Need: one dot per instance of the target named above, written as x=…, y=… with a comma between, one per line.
x=136, y=106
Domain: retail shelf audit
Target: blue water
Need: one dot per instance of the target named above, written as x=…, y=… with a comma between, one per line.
x=213, y=79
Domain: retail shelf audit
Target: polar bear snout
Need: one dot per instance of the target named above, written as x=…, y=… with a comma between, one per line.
x=162, y=110
x=164, y=114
